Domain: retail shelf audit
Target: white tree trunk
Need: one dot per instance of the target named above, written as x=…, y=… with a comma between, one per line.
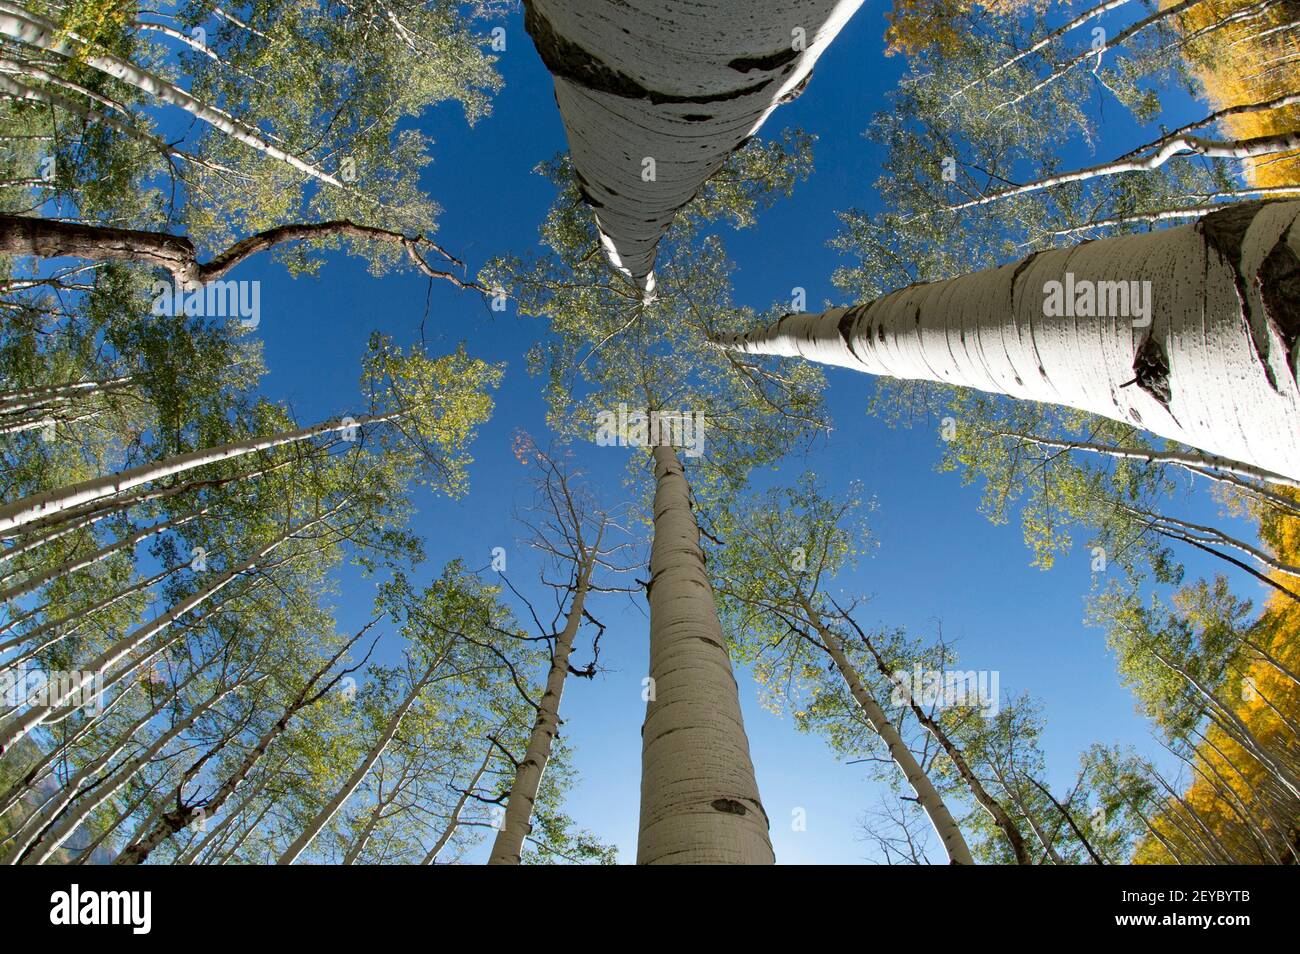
x=30, y=830
x=17, y=727
x=25, y=26
x=44, y=768
x=53, y=839
x=1162, y=151
x=507, y=848
x=453, y=822
x=40, y=506
x=682, y=84
x=36, y=633
x=68, y=521
x=326, y=814
x=11, y=402
x=1214, y=369
x=927, y=796
x=1047, y=40
x=699, y=799
x=128, y=542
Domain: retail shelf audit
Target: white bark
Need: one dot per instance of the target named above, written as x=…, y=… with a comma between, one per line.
x=1162, y=152
x=507, y=848
x=44, y=768
x=128, y=542
x=1168, y=215
x=683, y=84
x=191, y=853
x=1206, y=465
x=699, y=799
x=170, y=822
x=927, y=796
x=1044, y=41
x=30, y=830
x=12, y=88
x=453, y=822
x=1113, y=43
x=326, y=814
x=56, y=835
x=15, y=728
x=20, y=24
x=28, y=398
x=34, y=634
x=1215, y=369
x=72, y=519
x=39, y=506
x=36, y=423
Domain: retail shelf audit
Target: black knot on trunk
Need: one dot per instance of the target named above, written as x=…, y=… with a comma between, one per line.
x=730, y=806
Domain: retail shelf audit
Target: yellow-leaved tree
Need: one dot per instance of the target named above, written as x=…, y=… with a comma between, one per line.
x=1235, y=805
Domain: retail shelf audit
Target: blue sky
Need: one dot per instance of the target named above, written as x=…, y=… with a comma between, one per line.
x=939, y=560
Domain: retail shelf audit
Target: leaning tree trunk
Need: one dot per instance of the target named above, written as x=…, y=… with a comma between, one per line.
x=170, y=822
x=331, y=808
x=453, y=821
x=20, y=725
x=1215, y=367
x=507, y=848
x=53, y=836
x=927, y=796
x=699, y=799
x=23, y=25
x=1001, y=817
x=655, y=96
x=35, y=507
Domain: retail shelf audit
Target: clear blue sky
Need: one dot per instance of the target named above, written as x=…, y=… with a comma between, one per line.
x=938, y=559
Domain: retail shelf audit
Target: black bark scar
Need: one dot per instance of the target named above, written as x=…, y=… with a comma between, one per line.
x=565, y=58
x=1225, y=232
x=1279, y=290
x=1151, y=371
x=773, y=61
x=730, y=806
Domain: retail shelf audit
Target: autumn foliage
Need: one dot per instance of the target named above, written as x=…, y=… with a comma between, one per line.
x=1249, y=60
x=1234, y=802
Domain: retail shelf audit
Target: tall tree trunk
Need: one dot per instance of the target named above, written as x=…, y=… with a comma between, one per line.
x=26, y=399
x=44, y=768
x=35, y=582
x=507, y=849
x=1049, y=848
x=699, y=799
x=176, y=819
x=453, y=822
x=192, y=852
x=681, y=84
x=1162, y=150
x=53, y=835
x=997, y=811
x=1105, y=7
x=40, y=506
x=26, y=833
x=27, y=27
x=30, y=637
x=1114, y=42
x=331, y=808
x=927, y=796
x=1215, y=368
x=19, y=726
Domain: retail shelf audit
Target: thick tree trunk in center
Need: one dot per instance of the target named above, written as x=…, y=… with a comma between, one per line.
x=699, y=799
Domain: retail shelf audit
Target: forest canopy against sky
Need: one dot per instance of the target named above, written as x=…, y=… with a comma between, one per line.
x=814, y=431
